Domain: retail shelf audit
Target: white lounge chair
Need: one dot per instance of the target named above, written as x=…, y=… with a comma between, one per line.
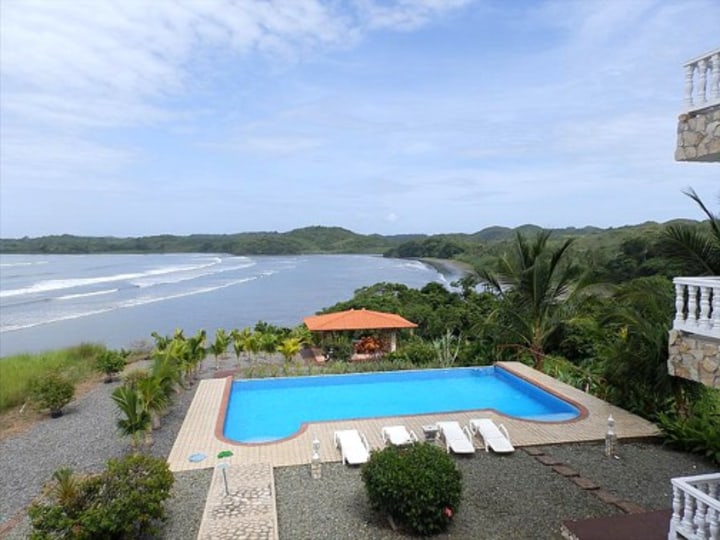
x=457, y=439
x=494, y=438
x=398, y=435
x=353, y=446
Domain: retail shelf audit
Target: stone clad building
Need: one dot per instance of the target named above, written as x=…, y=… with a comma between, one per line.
x=694, y=341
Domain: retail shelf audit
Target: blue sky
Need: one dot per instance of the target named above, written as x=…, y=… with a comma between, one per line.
x=132, y=118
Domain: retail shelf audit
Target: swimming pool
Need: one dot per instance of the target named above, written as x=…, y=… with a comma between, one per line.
x=267, y=410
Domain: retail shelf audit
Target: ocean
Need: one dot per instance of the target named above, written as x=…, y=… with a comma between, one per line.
x=53, y=301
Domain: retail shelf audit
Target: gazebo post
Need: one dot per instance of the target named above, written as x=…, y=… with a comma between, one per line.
x=393, y=341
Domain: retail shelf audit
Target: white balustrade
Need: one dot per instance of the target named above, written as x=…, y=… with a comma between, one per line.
x=696, y=508
x=697, y=305
x=702, y=81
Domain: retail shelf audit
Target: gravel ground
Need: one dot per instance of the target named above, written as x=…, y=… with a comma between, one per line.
x=84, y=438
x=504, y=496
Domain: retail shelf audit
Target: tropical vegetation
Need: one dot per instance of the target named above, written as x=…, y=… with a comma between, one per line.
x=17, y=372
x=111, y=362
x=52, y=392
x=124, y=501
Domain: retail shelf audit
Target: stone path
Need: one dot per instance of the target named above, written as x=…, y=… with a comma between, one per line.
x=563, y=469
x=240, y=504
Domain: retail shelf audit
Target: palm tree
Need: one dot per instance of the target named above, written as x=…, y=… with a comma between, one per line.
x=137, y=418
x=289, y=347
x=154, y=398
x=196, y=350
x=161, y=342
x=535, y=284
x=635, y=355
x=239, y=342
x=697, y=250
x=252, y=345
x=219, y=346
x=67, y=488
x=302, y=333
x=268, y=342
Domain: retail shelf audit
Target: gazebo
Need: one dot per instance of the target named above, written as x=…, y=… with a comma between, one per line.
x=359, y=319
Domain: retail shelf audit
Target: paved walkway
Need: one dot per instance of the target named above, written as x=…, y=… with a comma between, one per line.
x=240, y=504
x=198, y=433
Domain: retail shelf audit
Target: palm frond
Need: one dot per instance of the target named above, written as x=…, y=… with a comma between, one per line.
x=695, y=250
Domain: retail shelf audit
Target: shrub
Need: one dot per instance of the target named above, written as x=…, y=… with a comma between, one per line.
x=697, y=432
x=110, y=362
x=124, y=501
x=417, y=351
x=339, y=348
x=418, y=486
x=52, y=392
x=18, y=371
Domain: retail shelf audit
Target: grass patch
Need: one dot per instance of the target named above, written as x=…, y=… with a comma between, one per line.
x=75, y=363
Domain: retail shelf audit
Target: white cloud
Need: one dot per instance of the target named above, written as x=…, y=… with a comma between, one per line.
x=249, y=100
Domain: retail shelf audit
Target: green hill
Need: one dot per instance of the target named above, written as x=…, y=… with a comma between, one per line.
x=318, y=239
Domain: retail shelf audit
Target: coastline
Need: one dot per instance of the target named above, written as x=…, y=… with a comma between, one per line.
x=449, y=268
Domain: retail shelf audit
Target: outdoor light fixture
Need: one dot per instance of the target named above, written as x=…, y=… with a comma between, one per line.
x=315, y=465
x=610, y=437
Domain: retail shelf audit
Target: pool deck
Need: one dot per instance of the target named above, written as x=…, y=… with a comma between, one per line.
x=198, y=432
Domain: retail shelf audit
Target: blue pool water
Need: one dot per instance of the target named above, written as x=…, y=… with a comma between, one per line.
x=270, y=409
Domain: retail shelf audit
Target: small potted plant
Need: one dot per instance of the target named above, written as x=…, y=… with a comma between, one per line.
x=52, y=392
x=110, y=363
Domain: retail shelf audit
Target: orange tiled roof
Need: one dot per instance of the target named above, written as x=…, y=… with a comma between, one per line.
x=356, y=319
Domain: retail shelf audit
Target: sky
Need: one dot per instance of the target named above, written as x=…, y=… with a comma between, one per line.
x=132, y=117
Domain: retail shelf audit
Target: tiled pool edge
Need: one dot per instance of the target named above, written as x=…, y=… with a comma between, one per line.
x=198, y=433
x=222, y=414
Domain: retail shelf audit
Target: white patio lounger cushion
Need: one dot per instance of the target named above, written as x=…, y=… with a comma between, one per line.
x=353, y=446
x=494, y=438
x=457, y=439
x=398, y=435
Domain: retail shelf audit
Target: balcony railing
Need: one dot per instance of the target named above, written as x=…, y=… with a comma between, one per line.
x=696, y=507
x=702, y=81
x=697, y=305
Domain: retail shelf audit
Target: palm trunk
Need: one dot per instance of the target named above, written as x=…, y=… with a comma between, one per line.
x=149, y=440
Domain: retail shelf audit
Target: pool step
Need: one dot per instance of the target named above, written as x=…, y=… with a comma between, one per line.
x=240, y=503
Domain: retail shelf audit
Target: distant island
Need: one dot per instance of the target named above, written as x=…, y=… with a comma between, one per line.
x=314, y=240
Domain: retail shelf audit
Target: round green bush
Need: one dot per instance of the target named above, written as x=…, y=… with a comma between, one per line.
x=52, y=392
x=419, y=486
x=110, y=362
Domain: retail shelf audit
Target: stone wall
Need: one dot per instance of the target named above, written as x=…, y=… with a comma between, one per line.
x=694, y=357
x=699, y=135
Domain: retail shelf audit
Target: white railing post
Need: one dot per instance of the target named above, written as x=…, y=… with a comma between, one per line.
x=697, y=305
x=714, y=525
x=689, y=101
x=677, y=504
x=702, y=81
x=715, y=79
x=679, y=304
x=691, y=318
x=688, y=514
x=706, y=92
x=705, y=294
x=699, y=521
x=696, y=507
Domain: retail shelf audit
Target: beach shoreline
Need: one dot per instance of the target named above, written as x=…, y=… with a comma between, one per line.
x=448, y=268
